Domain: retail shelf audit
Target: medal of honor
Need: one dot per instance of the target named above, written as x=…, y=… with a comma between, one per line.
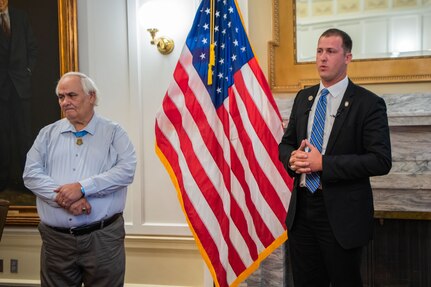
x=79, y=136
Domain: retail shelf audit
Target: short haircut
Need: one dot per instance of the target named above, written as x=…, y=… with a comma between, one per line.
x=347, y=41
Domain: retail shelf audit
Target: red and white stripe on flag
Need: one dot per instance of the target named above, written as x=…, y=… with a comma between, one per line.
x=219, y=143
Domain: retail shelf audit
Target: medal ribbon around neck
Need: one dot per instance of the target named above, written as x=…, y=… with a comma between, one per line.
x=79, y=135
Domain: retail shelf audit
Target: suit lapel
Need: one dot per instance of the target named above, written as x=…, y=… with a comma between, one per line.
x=343, y=112
x=310, y=96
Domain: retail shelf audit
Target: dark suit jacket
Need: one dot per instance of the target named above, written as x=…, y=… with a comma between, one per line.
x=18, y=55
x=358, y=147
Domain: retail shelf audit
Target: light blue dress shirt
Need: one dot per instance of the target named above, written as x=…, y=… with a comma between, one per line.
x=104, y=164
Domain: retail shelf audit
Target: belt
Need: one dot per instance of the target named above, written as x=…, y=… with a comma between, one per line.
x=88, y=228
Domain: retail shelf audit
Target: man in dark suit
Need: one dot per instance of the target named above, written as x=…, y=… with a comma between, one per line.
x=330, y=223
x=18, y=52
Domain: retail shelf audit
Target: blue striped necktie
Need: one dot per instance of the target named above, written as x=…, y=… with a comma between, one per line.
x=316, y=139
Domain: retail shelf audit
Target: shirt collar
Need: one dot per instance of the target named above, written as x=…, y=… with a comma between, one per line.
x=67, y=127
x=337, y=89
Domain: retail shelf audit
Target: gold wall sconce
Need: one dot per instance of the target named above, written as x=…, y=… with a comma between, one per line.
x=165, y=45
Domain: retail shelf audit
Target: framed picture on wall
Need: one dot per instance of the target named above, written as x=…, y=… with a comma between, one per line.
x=53, y=51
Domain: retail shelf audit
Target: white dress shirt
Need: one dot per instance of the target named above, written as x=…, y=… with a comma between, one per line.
x=334, y=98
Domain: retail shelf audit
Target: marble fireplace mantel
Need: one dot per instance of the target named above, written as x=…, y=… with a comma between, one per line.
x=408, y=109
x=406, y=191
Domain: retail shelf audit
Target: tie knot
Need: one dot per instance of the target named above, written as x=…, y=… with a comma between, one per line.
x=325, y=92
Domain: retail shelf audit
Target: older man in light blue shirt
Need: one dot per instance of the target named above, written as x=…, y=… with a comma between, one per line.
x=79, y=168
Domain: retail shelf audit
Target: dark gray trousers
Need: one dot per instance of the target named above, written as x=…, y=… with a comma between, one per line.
x=95, y=259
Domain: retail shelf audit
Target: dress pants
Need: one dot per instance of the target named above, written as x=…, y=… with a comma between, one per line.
x=317, y=258
x=96, y=259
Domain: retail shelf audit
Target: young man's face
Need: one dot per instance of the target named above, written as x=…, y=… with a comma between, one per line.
x=332, y=60
x=3, y=5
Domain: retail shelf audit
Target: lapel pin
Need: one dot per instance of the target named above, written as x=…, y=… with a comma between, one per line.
x=310, y=98
x=346, y=104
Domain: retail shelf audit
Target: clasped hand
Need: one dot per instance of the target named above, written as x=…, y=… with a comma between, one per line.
x=69, y=197
x=302, y=161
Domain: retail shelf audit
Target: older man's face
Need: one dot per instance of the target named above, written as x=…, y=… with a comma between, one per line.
x=3, y=5
x=77, y=107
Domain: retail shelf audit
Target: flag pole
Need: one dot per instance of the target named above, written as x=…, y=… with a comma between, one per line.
x=211, y=61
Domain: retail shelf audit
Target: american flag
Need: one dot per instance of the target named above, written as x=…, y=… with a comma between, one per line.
x=217, y=134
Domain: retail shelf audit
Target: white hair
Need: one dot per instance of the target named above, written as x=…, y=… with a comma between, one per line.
x=88, y=85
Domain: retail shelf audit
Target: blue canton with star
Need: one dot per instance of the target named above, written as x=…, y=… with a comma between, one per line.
x=232, y=48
